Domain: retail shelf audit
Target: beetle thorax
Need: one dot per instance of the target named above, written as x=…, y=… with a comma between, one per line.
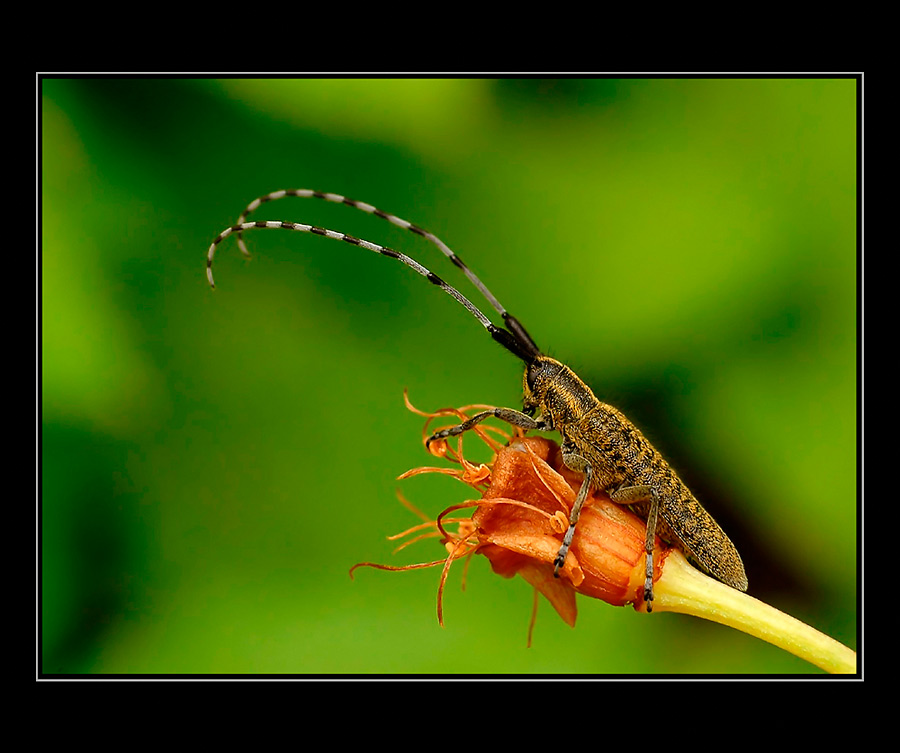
x=553, y=389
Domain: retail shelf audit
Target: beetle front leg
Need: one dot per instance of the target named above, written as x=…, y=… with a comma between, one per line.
x=512, y=417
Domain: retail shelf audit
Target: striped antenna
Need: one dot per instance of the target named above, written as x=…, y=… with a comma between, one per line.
x=306, y=193
x=524, y=349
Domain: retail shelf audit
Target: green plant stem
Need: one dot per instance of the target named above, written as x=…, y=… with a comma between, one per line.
x=682, y=588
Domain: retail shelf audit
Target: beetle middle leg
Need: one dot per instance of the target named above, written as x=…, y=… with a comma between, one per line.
x=577, y=463
x=630, y=495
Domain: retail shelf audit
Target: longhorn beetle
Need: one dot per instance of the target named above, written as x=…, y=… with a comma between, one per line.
x=597, y=439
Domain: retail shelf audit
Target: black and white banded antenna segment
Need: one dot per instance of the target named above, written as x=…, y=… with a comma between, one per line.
x=307, y=193
x=524, y=349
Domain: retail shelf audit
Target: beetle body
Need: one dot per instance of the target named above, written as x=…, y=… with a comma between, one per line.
x=598, y=440
x=622, y=458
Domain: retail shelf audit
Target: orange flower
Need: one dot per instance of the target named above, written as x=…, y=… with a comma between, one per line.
x=519, y=522
x=522, y=517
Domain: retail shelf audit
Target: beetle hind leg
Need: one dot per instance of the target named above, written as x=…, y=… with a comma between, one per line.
x=630, y=495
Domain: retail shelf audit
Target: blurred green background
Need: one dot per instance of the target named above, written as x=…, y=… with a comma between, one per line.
x=213, y=462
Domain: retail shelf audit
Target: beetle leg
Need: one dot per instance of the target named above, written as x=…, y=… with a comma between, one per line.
x=630, y=495
x=577, y=463
x=513, y=417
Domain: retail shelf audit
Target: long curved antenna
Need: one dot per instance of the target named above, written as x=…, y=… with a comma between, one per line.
x=524, y=349
x=306, y=193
